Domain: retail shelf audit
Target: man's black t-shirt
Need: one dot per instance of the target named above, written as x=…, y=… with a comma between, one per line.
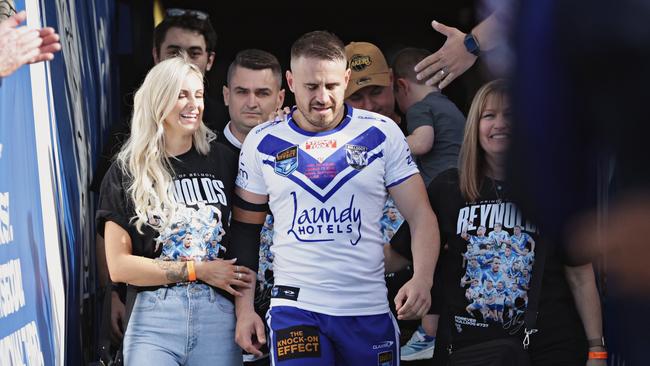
x=486, y=271
x=202, y=187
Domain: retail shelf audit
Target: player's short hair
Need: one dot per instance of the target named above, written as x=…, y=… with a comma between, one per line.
x=255, y=59
x=321, y=45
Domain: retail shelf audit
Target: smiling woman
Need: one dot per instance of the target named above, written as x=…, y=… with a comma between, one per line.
x=496, y=256
x=185, y=119
x=163, y=211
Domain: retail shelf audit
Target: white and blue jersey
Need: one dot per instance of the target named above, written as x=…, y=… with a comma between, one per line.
x=474, y=273
x=479, y=243
x=499, y=238
x=520, y=241
x=327, y=192
x=495, y=277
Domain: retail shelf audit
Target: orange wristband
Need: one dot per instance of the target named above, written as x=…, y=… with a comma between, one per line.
x=597, y=355
x=191, y=273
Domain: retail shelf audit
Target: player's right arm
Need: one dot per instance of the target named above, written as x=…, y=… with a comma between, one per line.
x=249, y=212
x=250, y=207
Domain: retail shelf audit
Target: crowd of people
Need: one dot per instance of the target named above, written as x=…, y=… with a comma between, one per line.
x=295, y=215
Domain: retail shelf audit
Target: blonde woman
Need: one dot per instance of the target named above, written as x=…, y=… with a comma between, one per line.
x=475, y=198
x=163, y=211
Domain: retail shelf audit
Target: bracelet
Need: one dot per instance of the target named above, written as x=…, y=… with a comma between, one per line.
x=191, y=273
x=597, y=355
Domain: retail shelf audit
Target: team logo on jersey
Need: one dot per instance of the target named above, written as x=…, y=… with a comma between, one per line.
x=356, y=156
x=286, y=161
x=360, y=62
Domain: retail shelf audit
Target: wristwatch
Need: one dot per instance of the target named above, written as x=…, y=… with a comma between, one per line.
x=471, y=44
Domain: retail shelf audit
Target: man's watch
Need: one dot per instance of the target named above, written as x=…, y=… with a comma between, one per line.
x=471, y=44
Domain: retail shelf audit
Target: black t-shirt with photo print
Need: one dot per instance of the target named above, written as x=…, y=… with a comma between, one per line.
x=202, y=187
x=487, y=270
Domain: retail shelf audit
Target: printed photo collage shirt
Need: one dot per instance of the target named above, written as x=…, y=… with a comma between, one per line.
x=490, y=259
x=202, y=188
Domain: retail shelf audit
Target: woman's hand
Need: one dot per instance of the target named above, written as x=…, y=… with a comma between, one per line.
x=225, y=274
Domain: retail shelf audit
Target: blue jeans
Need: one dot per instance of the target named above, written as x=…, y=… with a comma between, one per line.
x=182, y=325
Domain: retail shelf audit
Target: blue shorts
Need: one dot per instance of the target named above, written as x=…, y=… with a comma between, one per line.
x=301, y=337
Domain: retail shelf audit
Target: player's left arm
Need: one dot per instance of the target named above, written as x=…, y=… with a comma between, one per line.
x=414, y=298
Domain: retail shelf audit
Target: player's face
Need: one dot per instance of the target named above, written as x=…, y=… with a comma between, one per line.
x=494, y=127
x=480, y=231
x=252, y=96
x=187, y=114
x=187, y=241
x=192, y=42
x=489, y=285
x=392, y=215
x=517, y=230
x=374, y=98
x=507, y=252
x=319, y=88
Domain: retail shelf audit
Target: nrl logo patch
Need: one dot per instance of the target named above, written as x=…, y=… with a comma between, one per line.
x=360, y=62
x=356, y=156
x=286, y=161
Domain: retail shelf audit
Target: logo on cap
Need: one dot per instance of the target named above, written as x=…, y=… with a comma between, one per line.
x=360, y=62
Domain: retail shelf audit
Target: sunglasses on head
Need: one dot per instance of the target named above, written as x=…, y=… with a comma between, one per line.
x=10, y=11
x=177, y=12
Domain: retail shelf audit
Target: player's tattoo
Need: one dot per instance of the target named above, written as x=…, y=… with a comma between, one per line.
x=175, y=271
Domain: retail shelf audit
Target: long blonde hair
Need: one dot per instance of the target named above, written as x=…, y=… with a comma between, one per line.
x=471, y=159
x=143, y=157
